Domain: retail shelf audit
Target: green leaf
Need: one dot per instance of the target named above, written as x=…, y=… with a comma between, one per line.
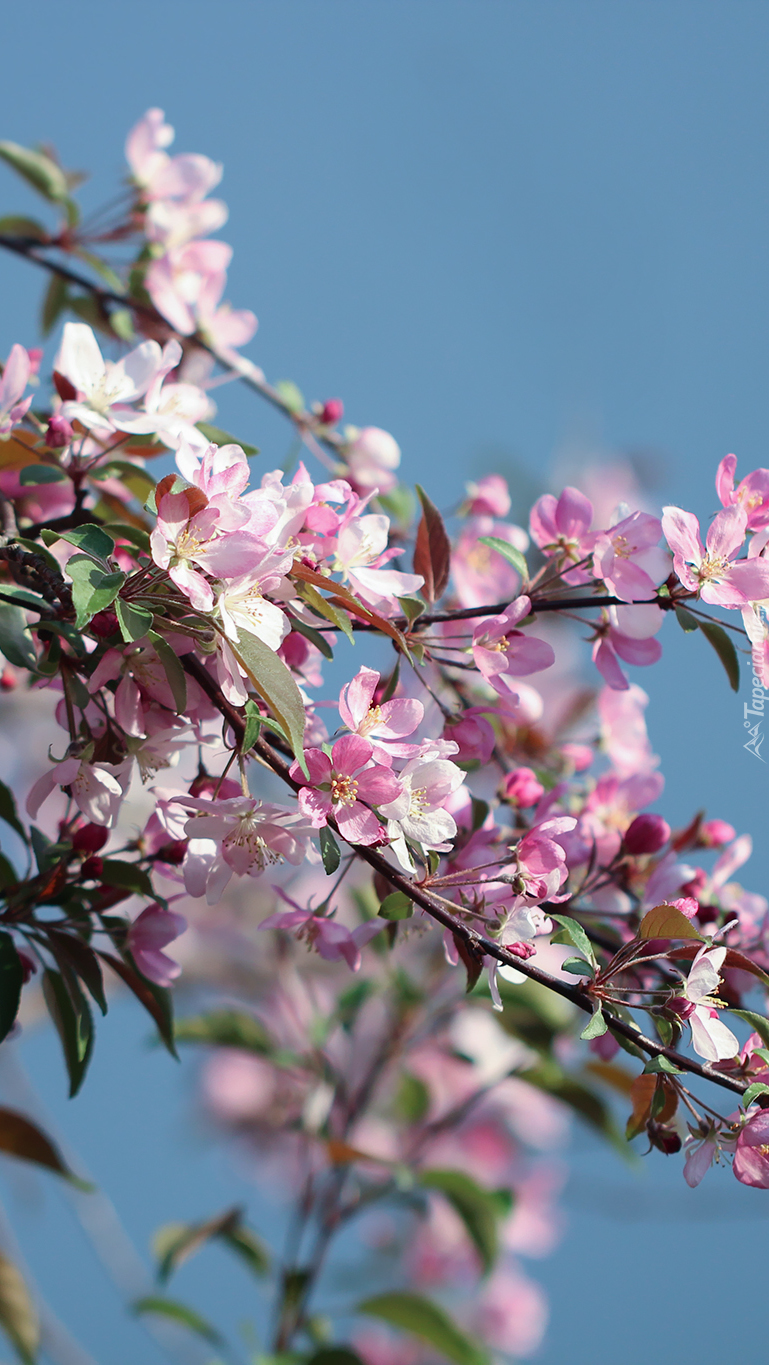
x=322, y=607
x=155, y=999
x=223, y=438
x=335, y=1355
x=127, y=875
x=225, y=1028
x=424, y=1319
x=686, y=621
x=757, y=1022
x=596, y=1026
x=122, y=324
x=412, y=1101
x=14, y=225
x=724, y=647
x=8, y=874
x=39, y=171
x=177, y=1242
x=396, y=906
x=574, y=934
x=253, y=727
x=93, y=590
x=578, y=966
x=135, y=622
x=8, y=812
x=18, y=1317
x=174, y=671
x=22, y=1138
x=412, y=608
x=275, y=684
x=91, y=540
x=15, y=640
x=11, y=982
x=178, y=1312
x=73, y=955
x=34, y=475
x=660, y=1065
x=509, y=553
x=290, y=395
x=753, y=1091
x=55, y=300
x=72, y=1019
x=477, y=1207
x=314, y=636
x=329, y=850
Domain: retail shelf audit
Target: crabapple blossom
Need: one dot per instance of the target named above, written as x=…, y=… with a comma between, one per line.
x=502, y=653
x=15, y=378
x=711, y=569
x=150, y=932
x=751, y=494
x=384, y=724
x=710, y=1037
x=340, y=783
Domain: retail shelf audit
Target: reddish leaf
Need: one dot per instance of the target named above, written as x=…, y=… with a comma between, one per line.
x=432, y=551
x=342, y=597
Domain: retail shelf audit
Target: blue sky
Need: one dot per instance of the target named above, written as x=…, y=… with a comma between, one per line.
x=502, y=231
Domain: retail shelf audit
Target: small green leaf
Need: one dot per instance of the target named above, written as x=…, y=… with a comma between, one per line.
x=275, y=684
x=177, y=1242
x=597, y=1025
x=135, y=622
x=39, y=171
x=724, y=647
x=396, y=906
x=424, y=1319
x=14, y=225
x=253, y=727
x=753, y=1091
x=11, y=982
x=8, y=812
x=578, y=966
x=477, y=1207
x=122, y=324
x=290, y=395
x=412, y=608
x=223, y=438
x=18, y=1317
x=34, y=475
x=173, y=668
x=129, y=876
x=178, y=1312
x=575, y=934
x=72, y=1018
x=329, y=851
x=91, y=540
x=93, y=590
x=225, y=1028
x=412, y=1101
x=686, y=621
x=15, y=640
x=314, y=636
x=335, y=1355
x=757, y=1022
x=660, y=1065
x=509, y=553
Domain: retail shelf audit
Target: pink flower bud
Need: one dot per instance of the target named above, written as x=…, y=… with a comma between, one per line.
x=35, y=354
x=715, y=833
x=475, y=738
x=522, y=949
x=522, y=787
x=579, y=755
x=489, y=497
x=172, y=852
x=646, y=834
x=687, y=905
x=104, y=624
x=333, y=412
x=59, y=432
x=8, y=680
x=89, y=838
x=92, y=868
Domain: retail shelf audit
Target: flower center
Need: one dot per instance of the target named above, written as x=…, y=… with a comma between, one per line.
x=713, y=566
x=344, y=790
x=419, y=802
x=371, y=720
x=245, y=836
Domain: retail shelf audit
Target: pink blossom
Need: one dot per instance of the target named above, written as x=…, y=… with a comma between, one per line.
x=648, y=833
x=338, y=785
x=611, y=644
x=751, y=1158
x=185, y=540
x=489, y=497
x=623, y=730
x=502, y=653
x=371, y=458
x=522, y=787
x=419, y=811
x=15, y=378
x=481, y=575
x=331, y=940
x=238, y=834
x=562, y=527
x=361, y=554
x=473, y=733
x=160, y=176
x=713, y=571
x=697, y=1004
x=701, y=1152
x=510, y=1312
x=104, y=387
x=188, y=282
x=383, y=724
x=752, y=493
x=96, y=789
x=541, y=861
x=153, y=930
x=629, y=559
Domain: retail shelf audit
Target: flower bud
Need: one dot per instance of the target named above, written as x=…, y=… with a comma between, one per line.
x=474, y=736
x=104, y=624
x=646, y=834
x=8, y=680
x=59, y=432
x=92, y=868
x=715, y=833
x=662, y=1137
x=172, y=852
x=333, y=412
x=522, y=787
x=89, y=838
